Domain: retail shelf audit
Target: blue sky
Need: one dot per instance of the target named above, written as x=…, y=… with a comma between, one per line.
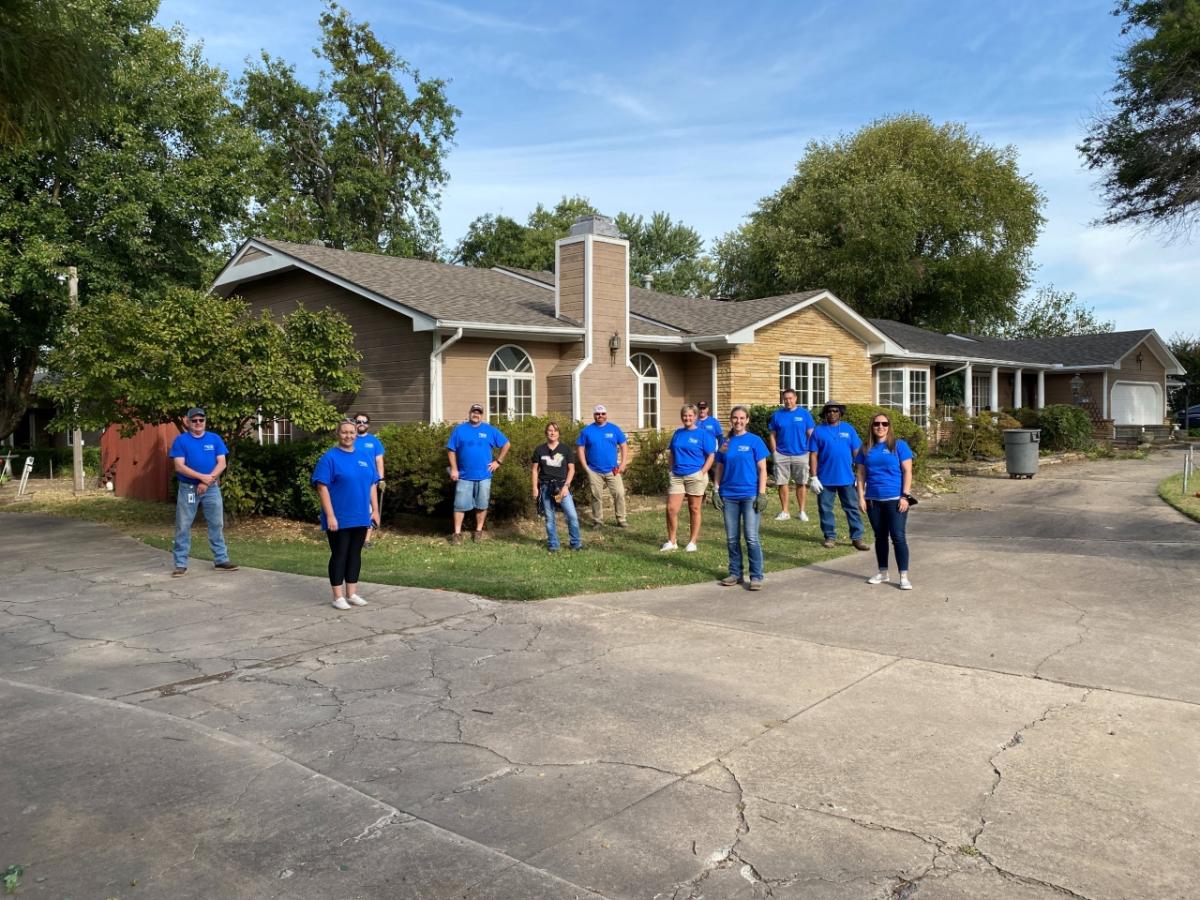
x=702, y=108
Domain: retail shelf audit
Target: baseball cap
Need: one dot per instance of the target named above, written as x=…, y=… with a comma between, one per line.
x=599, y=408
x=475, y=407
x=195, y=411
x=703, y=404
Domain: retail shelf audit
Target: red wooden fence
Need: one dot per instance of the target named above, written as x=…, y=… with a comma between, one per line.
x=143, y=470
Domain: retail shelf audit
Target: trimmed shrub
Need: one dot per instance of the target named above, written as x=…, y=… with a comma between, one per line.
x=1064, y=427
x=979, y=437
x=272, y=479
x=650, y=471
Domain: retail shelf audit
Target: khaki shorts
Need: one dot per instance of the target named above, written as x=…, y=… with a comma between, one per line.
x=692, y=485
x=791, y=468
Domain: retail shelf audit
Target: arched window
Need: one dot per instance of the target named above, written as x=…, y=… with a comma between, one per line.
x=510, y=384
x=647, y=390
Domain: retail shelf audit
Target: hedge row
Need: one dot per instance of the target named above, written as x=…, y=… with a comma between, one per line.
x=1063, y=427
x=273, y=480
x=58, y=459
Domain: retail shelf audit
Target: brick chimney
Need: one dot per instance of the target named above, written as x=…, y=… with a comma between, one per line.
x=592, y=289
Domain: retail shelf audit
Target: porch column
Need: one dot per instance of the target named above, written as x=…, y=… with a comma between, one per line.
x=968, y=399
x=1104, y=400
x=1041, y=389
x=1017, y=398
x=994, y=389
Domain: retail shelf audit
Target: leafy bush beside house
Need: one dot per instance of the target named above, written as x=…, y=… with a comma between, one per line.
x=1064, y=427
x=57, y=458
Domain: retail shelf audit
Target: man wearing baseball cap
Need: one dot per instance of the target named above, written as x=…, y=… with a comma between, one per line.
x=604, y=455
x=471, y=466
x=709, y=423
x=831, y=466
x=199, y=458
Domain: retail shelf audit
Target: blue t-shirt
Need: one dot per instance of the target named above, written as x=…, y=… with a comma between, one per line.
x=740, y=455
x=349, y=475
x=835, y=446
x=473, y=445
x=712, y=425
x=369, y=446
x=791, y=428
x=198, y=453
x=600, y=443
x=884, y=476
x=690, y=449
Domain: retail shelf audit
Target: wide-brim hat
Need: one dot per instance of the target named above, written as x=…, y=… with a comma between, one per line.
x=829, y=404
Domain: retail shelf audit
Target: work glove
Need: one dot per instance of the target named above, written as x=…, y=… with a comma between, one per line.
x=814, y=485
x=381, y=484
x=718, y=500
x=760, y=503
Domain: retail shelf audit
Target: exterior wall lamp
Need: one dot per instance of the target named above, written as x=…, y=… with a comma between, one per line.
x=1076, y=386
x=614, y=342
x=1138, y=359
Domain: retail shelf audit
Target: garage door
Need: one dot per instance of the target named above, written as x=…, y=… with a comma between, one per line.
x=1136, y=404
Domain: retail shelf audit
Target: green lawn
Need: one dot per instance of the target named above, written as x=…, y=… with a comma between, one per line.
x=1171, y=490
x=512, y=565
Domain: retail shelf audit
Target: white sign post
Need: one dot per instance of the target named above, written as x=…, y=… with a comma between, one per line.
x=25, y=476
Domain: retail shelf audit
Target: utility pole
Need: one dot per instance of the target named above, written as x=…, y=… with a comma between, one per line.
x=76, y=434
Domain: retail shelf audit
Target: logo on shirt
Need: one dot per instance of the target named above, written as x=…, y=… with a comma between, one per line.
x=363, y=463
x=208, y=447
x=693, y=440
x=743, y=448
x=555, y=461
x=482, y=434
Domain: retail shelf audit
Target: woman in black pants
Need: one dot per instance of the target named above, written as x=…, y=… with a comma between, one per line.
x=345, y=482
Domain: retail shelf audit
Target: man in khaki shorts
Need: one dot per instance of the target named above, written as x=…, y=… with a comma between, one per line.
x=790, y=427
x=692, y=451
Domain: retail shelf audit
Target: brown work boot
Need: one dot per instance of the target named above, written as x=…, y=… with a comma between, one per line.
x=829, y=543
x=729, y=581
x=477, y=537
x=859, y=545
x=456, y=538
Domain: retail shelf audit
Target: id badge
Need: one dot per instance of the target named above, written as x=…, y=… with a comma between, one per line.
x=191, y=497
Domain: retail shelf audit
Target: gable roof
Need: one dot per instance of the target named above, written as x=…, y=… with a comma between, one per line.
x=448, y=294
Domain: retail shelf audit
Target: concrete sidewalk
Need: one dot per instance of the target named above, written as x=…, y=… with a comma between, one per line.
x=1025, y=724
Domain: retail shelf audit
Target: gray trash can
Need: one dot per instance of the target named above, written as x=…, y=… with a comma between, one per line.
x=1021, y=447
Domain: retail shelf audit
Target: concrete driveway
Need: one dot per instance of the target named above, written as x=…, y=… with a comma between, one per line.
x=1025, y=724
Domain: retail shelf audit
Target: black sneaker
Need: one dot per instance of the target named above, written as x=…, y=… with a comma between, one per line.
x=178, y=573
x=226, y=566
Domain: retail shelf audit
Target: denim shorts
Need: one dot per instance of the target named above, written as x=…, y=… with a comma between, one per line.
x=472, y=494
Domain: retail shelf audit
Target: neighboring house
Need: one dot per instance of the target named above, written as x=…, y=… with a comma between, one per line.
x=436, y=338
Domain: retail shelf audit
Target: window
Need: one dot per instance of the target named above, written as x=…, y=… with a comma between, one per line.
x=807, y=376
x=510, y=384
x=981, y=393
x=274, y=431
x=906, y=391
x=647, y=390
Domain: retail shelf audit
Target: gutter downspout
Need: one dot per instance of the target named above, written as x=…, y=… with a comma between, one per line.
x=588, y=336
x=435, y=376
x=715, y=405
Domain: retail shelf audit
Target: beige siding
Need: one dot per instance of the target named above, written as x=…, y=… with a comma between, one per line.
x=609, y=380
x=1058, y=388
x=464, y=375
x=752, y=370
x=672, y=378
x=699, y=380
x=395, y=359
x=570, y=281
x=1150, y=370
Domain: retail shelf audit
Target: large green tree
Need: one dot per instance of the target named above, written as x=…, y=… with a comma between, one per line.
x=1145, y=146
x=1051, y=313
x=904, y=219
x=1186, y=348
x=358, y=160
x=140, y=362
x=659, y=246
x=137, y=196
x=56, y=59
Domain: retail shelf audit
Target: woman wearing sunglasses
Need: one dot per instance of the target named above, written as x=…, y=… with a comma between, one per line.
x=883, y=467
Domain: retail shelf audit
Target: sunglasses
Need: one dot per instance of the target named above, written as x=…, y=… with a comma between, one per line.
x=880, y=424
x=197, y=418
x=362, y=421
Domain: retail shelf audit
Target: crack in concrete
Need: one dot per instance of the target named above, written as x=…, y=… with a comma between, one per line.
x=1084, y=630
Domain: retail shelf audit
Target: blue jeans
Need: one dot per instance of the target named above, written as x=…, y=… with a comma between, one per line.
x=742, y=521
x=187, y=501
x=887, y=521
x=549, y=510
x=848, y=494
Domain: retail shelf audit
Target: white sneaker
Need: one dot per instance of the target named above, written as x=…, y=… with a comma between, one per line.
x=784, y=516
x=669, y=545
x=340, y=603
x=878, y=578
x=691, y=547
x=905, y=584
x=803, y=516
x=357, y=600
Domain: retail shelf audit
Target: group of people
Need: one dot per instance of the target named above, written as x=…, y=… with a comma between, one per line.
x=829, y=458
